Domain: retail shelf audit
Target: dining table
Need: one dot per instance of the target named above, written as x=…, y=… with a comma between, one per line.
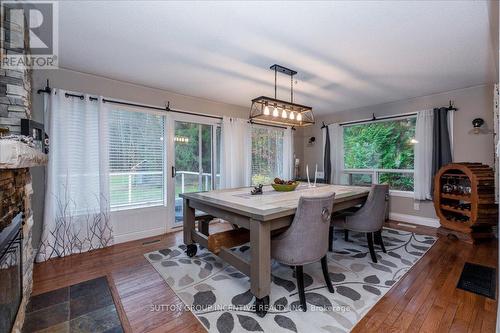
x=260, y=214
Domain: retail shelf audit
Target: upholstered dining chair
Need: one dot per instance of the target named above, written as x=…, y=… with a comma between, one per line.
x=368, y=219
x=306, y=240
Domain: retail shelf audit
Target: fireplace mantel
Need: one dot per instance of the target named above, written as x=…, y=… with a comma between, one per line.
x=16, y=155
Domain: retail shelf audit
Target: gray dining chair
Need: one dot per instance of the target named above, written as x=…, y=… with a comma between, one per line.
x=368, y=219
x=306, y=240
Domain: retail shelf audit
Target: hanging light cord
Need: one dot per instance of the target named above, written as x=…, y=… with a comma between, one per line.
x=275, y=82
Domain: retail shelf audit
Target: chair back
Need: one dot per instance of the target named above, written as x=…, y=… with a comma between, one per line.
x=306, y=240
x=371, y=216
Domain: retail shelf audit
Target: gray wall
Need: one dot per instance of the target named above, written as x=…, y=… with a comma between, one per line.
x=472, y=103
x=76, y=81
x=92, y=84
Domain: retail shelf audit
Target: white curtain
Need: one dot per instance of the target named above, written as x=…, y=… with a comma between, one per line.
x=423, y=155
x=235, y=153
x=336, y=152
x=288, y=159
x=76, y=214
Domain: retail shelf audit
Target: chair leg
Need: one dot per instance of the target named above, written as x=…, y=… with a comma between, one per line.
x=300, y=285
x=380, y=240
x=346, y=235
x=330, y=239
x=369, y=238
x=324, y=265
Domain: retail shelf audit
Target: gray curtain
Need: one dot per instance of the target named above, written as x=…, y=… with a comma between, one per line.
x=327, y=163
x=441, y=153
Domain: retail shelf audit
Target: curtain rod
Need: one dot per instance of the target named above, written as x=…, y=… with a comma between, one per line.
x=48, y=90
x=379, y=118
x=449, y=108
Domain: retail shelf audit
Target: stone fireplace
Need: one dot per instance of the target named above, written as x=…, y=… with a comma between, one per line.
x=11, y=272
x=15, y=200
x=16, y=157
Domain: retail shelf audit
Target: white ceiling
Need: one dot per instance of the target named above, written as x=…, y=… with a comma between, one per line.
x=348, y=54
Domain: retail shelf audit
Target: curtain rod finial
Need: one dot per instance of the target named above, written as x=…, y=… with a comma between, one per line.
x=47, y=89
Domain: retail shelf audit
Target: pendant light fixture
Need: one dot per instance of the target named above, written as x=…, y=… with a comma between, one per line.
x=283, y=112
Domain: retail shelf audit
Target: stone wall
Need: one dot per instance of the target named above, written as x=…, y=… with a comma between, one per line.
x=15, y=84
x=11, y=194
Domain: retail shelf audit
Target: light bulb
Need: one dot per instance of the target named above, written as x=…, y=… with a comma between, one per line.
x=275, y=112
x=299, y=117
x=266, y=111
x=292, y=115
x=284, y=114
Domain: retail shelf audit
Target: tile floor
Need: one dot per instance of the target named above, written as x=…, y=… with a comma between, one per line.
x=84, y=307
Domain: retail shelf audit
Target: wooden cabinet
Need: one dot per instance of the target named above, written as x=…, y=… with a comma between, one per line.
x=464, y=199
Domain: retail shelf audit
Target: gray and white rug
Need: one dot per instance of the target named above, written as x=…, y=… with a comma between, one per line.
x=219, y=295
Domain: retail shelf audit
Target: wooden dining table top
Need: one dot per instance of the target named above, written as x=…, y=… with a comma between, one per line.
x=272, y=204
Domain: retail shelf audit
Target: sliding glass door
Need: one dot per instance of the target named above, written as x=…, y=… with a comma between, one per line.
x=153, y=158
x=195, y=161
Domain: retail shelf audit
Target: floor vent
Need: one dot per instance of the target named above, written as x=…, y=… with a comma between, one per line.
x=151, y=242
x=478, y=279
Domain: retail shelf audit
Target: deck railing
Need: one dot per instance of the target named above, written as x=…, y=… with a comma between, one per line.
x=203, y=181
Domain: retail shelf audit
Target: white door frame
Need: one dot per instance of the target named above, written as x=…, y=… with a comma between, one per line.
x=172, y=117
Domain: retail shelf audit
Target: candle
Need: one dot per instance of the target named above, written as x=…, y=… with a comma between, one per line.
x=307, y=173
x=315, y=174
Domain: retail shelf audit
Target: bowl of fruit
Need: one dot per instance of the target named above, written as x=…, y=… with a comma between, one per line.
x=281, y=185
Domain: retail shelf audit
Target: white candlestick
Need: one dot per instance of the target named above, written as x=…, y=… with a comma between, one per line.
x=315, y=174
x=307, y=173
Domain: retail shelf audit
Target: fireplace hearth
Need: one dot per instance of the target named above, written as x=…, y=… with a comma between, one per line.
x=11, y=273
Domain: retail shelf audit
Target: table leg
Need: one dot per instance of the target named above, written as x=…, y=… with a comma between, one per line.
x=188, y=221
x=203, y=226
x=260, y=264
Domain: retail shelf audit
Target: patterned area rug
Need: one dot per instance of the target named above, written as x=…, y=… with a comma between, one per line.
x=219, y=295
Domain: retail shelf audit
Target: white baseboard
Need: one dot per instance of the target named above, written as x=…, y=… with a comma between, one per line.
x=425, y=221
x=138, y=235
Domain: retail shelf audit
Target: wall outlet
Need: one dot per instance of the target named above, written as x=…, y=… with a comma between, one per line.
x=320, y=174
x=416, y=205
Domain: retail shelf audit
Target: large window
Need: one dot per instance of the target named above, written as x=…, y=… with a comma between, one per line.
x=380, y=152
x=267, y=154
x=136, y=157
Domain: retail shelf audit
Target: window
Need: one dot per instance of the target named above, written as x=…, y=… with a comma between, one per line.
x=380, y=152
x=267, y=154
x=136, y=157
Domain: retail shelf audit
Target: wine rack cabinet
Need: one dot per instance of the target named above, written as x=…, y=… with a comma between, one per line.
x=464, y=199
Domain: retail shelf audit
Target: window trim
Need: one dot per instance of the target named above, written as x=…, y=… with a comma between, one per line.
x=375, y=175
x=376, y=171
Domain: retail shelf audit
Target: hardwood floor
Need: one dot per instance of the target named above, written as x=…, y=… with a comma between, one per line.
x=426, y=299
